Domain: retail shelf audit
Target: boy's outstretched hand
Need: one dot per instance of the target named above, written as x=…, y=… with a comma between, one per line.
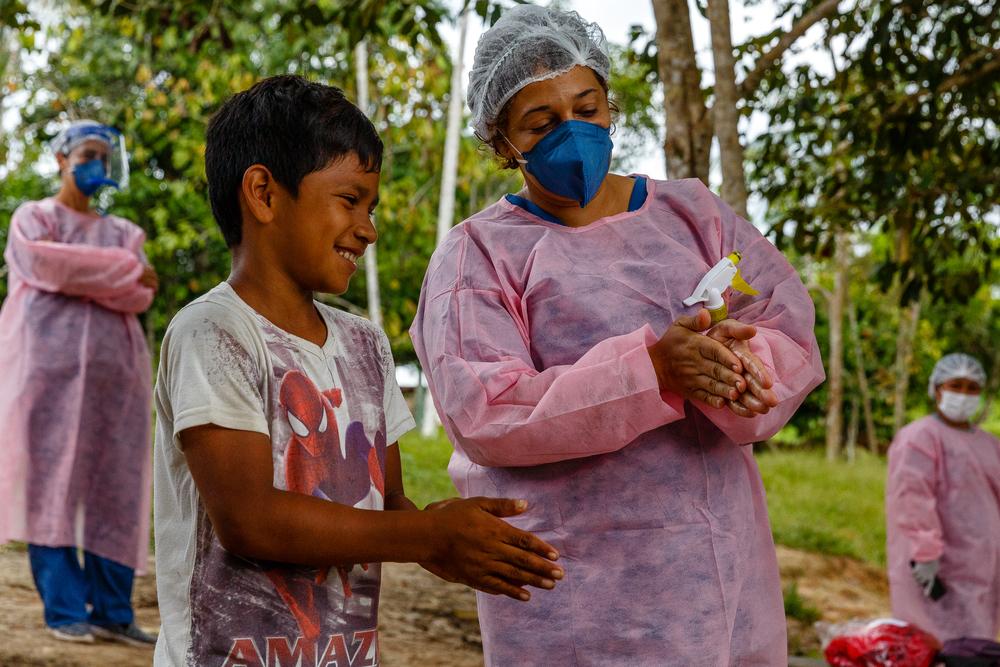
x=475, y=547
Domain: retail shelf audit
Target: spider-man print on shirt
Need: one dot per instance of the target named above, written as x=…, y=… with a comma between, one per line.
x=319, y=463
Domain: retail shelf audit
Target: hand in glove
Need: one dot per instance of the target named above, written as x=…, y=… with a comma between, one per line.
x=926, y=574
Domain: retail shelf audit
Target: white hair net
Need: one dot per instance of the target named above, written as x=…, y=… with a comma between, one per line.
x=529, y=44
x=956, y=365
x=80, y=131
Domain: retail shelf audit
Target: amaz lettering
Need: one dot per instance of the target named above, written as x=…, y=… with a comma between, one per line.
x=282, y=652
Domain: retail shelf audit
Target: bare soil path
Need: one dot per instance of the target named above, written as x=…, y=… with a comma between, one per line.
x=424, y=620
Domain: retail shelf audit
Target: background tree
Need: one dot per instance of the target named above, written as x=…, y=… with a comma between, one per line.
x=879, y=173
x=692, y=120
x=900, y=141
x=159, y=70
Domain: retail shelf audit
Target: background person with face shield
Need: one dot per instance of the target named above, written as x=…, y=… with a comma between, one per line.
x=943, y=511
x=75, y=394
x=567, y=371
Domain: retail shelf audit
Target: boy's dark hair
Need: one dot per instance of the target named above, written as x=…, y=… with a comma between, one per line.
x=289, y=125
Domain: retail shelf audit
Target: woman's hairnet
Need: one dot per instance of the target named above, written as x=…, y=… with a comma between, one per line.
x=956, y=365
x=529, y=44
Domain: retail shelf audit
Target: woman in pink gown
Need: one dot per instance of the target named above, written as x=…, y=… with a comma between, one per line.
x=75, y=391
x=567, y=371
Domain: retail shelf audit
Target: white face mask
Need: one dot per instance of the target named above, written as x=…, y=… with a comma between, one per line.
x=957, y=407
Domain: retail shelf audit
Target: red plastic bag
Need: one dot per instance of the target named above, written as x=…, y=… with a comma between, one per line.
x=882, y=643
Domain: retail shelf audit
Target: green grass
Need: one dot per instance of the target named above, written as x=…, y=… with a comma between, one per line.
x=814, y=505
x=425, y=463
x=798, y=608
x=832, y=508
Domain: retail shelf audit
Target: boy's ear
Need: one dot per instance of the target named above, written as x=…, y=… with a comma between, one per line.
x=258, y=189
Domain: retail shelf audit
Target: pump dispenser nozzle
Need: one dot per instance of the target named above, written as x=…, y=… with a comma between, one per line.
x=720, y=277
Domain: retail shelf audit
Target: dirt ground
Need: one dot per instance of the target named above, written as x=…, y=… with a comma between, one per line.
x=839, y=588
x=424, y=620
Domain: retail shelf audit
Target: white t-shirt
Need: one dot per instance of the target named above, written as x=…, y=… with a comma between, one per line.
x=330, y=412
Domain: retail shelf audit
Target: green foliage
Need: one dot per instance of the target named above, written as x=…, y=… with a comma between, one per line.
x=914, y=174
x=158, y=71
x=213, y=21
x=414, y=136
x=798, y=608
x=901, y=140
x=970, y=324
x=898, y=146
x=633, y=88
x=832, y=508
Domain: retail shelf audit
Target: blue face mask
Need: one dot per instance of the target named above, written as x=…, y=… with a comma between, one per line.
x=572, y=160
x=91, y=175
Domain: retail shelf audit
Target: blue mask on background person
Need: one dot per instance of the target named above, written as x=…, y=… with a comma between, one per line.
x=572, y=160
x=90, y=176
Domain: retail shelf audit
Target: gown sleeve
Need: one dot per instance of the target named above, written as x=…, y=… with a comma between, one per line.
x=911, y=501
x=784, y=316
x=500, y=408
x=107, y=275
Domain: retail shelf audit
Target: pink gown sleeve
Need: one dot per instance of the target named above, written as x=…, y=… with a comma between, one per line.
x=134, y=301
x=910, y=495
x=138, y=298
x=106, y=275
x=784, y=316
x=502, y=410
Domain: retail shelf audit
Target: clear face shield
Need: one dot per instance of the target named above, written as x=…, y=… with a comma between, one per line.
x=97, y=157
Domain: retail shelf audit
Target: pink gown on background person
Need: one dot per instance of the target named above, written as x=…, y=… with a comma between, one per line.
x=942, y=501
x=534, y=339
x=75, y=385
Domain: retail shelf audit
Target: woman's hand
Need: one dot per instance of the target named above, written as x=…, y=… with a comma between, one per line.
x=149, y=278
x=760, y=398
x=696, y=366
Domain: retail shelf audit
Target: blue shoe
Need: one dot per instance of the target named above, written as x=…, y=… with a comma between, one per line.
x=73, y=632
x=126, y=634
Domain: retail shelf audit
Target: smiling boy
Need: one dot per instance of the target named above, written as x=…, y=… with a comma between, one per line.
x=278, y=416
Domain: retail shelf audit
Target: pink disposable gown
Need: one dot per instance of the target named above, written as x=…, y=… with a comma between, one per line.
x=942, y=501
x=75, y=384
x=533, y=337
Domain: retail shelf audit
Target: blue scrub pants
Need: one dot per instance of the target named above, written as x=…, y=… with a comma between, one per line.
x=66, y=588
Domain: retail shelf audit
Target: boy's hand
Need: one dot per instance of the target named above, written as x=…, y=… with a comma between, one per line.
x=473, y=546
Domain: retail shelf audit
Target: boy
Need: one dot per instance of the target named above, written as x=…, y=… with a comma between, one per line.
x=278, y=416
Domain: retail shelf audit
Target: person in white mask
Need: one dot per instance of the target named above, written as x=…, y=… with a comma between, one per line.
x=943, y=511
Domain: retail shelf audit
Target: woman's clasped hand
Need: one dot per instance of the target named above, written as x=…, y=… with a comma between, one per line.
x=714, y=365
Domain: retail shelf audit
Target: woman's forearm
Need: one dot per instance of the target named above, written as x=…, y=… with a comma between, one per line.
x=508, y=414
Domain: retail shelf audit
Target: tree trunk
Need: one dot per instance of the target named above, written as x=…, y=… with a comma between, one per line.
x=835, y=358
x=725, y=114
x=866, y=396
x=449, y=170
x=852, y=430
x=908, y=321
x=370, y=256
x=688, y=141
